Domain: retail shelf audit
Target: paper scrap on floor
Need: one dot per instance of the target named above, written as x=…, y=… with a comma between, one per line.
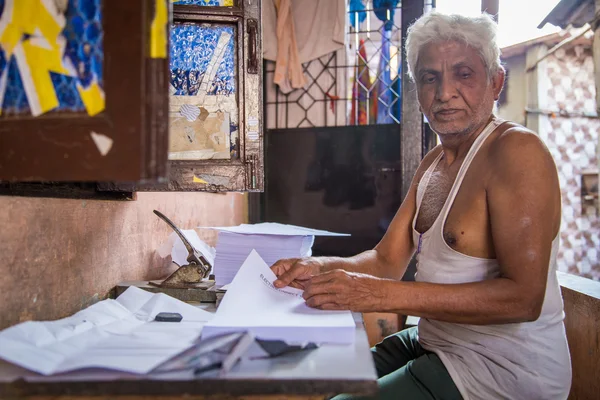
x=253, y=304
x=116, y=334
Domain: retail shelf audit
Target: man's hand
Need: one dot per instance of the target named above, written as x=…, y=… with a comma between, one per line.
x=296, y=272
x=341, y=290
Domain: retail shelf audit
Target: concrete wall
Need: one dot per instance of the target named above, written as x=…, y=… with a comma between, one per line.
x=513, y=108
x=58, y=256
x=573, y=143
x=563, y=83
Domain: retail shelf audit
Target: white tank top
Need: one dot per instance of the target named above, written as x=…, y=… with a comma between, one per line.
x=527, y=360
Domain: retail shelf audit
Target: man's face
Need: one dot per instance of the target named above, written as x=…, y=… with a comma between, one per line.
x=454, y=91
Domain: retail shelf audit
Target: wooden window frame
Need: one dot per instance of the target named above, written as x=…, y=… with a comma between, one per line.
x=59, y=146
x=244, y=173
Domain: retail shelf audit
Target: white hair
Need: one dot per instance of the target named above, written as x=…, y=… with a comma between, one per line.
x=478, y=33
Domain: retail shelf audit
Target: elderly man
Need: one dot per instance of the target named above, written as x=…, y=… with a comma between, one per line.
x=483, y=216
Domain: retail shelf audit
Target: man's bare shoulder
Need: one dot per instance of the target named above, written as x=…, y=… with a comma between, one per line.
x=518, y=157
x=523, y=177
x=518, y=148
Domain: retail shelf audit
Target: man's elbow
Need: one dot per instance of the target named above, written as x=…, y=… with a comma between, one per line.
x=531, y=309
x=387, y=264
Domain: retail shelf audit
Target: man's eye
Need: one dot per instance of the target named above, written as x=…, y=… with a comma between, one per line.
x=428, y=79
x=465, y=75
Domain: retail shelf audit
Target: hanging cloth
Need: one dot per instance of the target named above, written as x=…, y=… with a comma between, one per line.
x=364, y=99
x=318, y=28
x=288, y=70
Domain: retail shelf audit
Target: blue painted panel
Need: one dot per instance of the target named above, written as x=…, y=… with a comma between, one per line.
x=192, y=50
x=222, y=3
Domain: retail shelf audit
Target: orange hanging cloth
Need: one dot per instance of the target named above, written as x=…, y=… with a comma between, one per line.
x=288, y=69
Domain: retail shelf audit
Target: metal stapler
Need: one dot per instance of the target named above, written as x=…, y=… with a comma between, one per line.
x=188, y=282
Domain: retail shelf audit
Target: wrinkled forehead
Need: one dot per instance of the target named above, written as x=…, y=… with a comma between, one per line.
x=449, y=53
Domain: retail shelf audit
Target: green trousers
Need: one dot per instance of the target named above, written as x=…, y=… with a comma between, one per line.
x=407, y=371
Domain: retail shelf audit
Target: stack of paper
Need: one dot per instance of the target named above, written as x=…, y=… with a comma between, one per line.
x=272, y=241
x=233, y=249
x=254, y=305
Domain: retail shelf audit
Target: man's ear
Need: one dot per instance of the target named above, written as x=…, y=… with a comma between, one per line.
x=498, y=82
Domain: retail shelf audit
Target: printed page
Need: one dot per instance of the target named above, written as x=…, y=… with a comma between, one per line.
x=252, y=303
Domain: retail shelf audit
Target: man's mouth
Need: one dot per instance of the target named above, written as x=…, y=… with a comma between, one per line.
x=449, y=111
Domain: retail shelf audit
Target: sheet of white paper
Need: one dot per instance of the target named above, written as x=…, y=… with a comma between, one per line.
x=273, y=228
x=179, y=253
x=116, y=334
x=253, y=304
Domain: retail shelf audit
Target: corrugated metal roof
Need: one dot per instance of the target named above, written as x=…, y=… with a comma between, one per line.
x=550, y=41
x=570, y=12
x=521, y=48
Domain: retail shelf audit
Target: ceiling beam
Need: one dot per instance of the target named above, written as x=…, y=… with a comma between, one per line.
x=490, y=7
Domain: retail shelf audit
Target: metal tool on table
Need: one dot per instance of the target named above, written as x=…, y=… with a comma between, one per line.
x=189, y=275
x=188, y=282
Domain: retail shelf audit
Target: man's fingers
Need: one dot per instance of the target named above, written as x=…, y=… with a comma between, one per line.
x=320, y=299
x=332, y=306
x=282, y=265
x=280, y=268
x=314, y=289
x=288, y=276
x=324, y=277
x=297, y=284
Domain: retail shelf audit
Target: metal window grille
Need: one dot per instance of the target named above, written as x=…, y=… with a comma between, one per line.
x=358, y=85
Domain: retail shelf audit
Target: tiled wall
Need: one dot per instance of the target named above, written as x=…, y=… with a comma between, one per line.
x=573, y=141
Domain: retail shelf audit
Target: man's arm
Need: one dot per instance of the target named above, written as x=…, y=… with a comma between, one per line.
x=524, y=206
x=389, y=259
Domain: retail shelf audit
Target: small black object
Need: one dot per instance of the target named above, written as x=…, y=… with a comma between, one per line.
x=168, y=317
x=278, y=347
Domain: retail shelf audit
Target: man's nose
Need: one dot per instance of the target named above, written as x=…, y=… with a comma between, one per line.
x=445, y=90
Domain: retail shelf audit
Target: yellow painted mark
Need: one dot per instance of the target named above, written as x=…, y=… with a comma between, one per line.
x=38, y=55
x=92, y=98
x=198, y=180
x=41, y=61
x=158, y=30
x=41, y=53
x=26, y=17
